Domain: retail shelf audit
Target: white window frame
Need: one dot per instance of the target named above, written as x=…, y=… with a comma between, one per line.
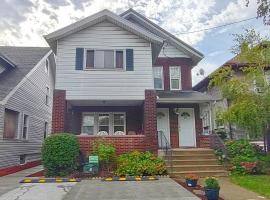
x=180, y=74
x=47, y=66
x=27, y=125
x=105, y=69
x=96, y=123
x=162, y=78
x=47, y=95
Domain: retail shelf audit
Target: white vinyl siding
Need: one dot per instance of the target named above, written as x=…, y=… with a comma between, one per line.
x=28, y=99
x=104, y=84
x=175, y=78
x=158, y=78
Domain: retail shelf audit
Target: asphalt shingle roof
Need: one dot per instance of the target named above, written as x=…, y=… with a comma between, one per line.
x=25, y=59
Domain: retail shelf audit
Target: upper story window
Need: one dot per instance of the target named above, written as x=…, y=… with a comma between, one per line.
x=25, y=126
x=47, y=66
x=104, y=59
x=175, y=78
x=11, y=124
x=158, y=77
x=47, y=95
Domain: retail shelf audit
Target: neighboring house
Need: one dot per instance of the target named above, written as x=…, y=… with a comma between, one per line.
x=221, y=104
x=26, y=96
x=125, y=78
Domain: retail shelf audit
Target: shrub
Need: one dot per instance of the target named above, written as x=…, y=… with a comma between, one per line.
x=105, y=152
x=139, y=164
x=211, y=183
x=59, y=154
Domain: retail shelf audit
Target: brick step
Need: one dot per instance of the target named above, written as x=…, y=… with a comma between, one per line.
x=184, y=168
x=191, y=157
x=192, y=162
x=201, y=173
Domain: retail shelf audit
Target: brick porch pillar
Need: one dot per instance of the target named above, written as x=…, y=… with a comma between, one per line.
x=59, y=111
x=150, y=121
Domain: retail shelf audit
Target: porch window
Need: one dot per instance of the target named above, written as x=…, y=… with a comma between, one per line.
x=104, y=59
x=88, y=124
x=175, y=78
x=158, y=77
x=110, y=122
x=206, y=123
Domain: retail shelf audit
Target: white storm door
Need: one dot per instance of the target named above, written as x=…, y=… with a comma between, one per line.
x=186, y=127
x=163, y=124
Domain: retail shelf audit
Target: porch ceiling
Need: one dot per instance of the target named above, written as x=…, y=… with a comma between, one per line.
x=105, y=102
x=182, y=97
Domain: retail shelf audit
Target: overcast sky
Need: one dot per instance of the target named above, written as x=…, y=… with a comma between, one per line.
x=23, y=22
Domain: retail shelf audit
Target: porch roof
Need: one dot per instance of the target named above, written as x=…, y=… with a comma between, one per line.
x=182, y=97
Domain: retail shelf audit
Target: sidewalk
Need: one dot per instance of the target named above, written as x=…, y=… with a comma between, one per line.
x=230, y=191
x=11, y=181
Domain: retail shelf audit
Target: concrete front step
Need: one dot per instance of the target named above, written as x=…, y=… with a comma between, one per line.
x=191, y=157
x=193, y=162
x=192, y=151
x=200, y=173
x=184, y=168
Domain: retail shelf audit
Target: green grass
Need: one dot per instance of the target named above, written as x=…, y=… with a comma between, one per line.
x=259, y=184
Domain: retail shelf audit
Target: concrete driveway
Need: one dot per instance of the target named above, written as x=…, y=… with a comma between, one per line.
x=165, y=188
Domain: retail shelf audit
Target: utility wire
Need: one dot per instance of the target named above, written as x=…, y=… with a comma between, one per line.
x=214, y=27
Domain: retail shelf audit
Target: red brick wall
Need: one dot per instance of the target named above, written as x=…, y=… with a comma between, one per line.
x=185, y=64
x=59, y=111
x=204, y=141
x=122, y=143
x=150, y=121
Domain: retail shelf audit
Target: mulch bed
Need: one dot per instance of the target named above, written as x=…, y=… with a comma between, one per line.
x=37, y=174
x=198, y=190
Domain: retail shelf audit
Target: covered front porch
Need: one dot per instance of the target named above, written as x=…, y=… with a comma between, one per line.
x=184, y=119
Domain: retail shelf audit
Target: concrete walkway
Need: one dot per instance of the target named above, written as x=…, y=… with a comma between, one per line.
x=165, y=188
x=231, y=191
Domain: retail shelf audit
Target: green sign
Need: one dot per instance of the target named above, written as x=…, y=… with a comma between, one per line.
x=93, y=159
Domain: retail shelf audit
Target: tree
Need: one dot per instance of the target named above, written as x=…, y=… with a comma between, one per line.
x=249, y=95
x=263, y=10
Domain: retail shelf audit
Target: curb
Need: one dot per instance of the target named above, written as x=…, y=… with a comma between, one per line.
x=50, y=180
x=131, y=178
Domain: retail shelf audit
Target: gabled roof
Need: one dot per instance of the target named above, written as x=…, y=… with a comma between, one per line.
x=195, y=55
x=97, y=18
x=6, y=62
x=25, y=59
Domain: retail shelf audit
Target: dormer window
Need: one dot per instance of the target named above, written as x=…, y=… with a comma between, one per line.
x=104, y=59
x=175, y=78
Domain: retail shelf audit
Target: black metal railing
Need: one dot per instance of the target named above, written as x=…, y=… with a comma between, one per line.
x=164, y=144
x=217, y=143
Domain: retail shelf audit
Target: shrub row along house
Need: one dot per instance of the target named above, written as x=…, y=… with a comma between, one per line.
x=26, y=97
x=126, y=79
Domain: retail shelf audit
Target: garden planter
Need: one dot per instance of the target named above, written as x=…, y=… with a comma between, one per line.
x=211, y=194
x=191, y=183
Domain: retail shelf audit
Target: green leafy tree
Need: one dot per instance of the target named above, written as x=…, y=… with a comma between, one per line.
x=249, y=109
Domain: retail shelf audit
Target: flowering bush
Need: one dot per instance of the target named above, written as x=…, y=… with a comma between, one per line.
x=192, y=177
x=211, y=183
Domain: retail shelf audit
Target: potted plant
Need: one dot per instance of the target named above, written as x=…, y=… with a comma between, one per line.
x=191, y=180
x=211, y=188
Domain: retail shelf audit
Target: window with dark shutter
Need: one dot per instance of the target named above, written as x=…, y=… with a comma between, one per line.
x=89, y=59
x=79, y=59
x=129, y=60
x=11, y=124
x=119, y=59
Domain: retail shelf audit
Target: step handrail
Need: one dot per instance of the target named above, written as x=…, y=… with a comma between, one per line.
x=162, y=139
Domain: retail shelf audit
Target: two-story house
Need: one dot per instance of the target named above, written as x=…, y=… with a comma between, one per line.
x=125, y=78
x=26, y=98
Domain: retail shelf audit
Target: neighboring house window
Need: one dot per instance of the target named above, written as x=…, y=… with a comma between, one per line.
x=47, y=66
x=206, y=122
x=22, y=159
x=11, y=124
x=175, y=78
x=47, y=95
x=45, y=130
x=104, y=59
x=92, y=123
x=25, y=126
x=158, y=77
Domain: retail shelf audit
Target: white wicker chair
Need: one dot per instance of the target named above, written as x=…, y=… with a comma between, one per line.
x=100, y=133
x=119, y=133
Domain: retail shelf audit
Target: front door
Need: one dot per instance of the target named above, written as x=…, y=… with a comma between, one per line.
x=163, y=126
x=186, y=127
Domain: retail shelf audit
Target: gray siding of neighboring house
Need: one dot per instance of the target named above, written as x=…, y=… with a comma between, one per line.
x=29, y=98
x=104, y=84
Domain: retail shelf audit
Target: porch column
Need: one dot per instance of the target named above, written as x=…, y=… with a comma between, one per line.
x=59, y=111
x=150, y=121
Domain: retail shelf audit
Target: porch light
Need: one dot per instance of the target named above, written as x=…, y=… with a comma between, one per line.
x=176, y=111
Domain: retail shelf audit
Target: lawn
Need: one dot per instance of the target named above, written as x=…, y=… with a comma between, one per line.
x=259, y=184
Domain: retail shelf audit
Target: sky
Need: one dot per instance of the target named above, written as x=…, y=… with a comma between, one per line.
x=24, y=22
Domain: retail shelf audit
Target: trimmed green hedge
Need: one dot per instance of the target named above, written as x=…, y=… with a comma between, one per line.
x=59, y=154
